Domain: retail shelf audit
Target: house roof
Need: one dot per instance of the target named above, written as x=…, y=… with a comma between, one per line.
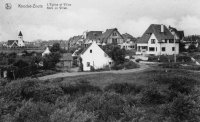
x=156, y=30
x=107, y=34
x=20, y=34
x=180, y=34
x=93, y=35
x=67, y=57
x=10, y=42
x=75, y=39
x=128, y=36
x=86, y=48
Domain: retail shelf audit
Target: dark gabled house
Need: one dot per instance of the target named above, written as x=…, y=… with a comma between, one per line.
x=92, y=36
x=111, y=36
x=65, y=62
x=179, y=35
x=75, y=41
x=129, y=42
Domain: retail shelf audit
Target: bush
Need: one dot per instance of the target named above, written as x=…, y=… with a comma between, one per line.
x=123, y=88
x=138, y=60
x=108, y=106
x=170, y=65
x=33, y=112
x=183, y=108
x=178, y=84
x=20, y=89
x=46, y=72
x=117, y=66
x=47, y=93
x=81, y=88
x=184, y=59
x=151, y=95
x=71, y=114
x=131, y=65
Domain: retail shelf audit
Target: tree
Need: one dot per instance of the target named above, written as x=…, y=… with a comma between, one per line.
x=51, y=60
x=55, y=47
x=116, y=53
x=192, y=48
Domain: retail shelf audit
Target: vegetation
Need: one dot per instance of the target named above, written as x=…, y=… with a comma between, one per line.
x=171, y=96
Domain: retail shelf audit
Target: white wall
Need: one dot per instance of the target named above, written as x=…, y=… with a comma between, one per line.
x=156, y=45
x=98, y=58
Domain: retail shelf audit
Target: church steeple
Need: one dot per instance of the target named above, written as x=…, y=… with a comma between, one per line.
x=20, y=35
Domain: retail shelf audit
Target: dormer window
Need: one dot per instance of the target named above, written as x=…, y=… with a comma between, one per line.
x=90, y=51
x=114, y=34
x=152, y=41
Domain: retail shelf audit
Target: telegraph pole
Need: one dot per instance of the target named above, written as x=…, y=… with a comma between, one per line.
x=174, y=48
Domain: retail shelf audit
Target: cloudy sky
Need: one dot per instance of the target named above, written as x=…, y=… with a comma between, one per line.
x=131, y=16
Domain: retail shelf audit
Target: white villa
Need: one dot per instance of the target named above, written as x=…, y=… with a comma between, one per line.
x=157, y=40
x=94, y=56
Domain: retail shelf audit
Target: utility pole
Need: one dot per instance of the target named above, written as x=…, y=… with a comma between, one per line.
x=174, y=48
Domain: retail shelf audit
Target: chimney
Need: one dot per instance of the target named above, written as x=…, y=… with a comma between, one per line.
x=162, y=28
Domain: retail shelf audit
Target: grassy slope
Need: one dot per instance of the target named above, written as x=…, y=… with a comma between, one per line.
x=140, y=78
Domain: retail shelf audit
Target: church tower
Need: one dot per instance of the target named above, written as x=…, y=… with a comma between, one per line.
x=20, y=40
x=20, y=35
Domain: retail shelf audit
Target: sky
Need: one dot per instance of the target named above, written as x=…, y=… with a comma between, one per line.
x=129, y=16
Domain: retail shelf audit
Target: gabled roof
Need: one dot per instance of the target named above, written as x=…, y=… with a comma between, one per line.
x=66, y=57
x=75, y=39
x=93, y=35
x=11, y=42
x=107, y=34
x=85, y=49
x=128, y=36
x=156, y=30
x=20, y=34
x=180, y=34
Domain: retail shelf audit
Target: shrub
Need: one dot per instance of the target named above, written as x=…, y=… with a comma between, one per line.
x=138, y=60
x=123, y=88
x=33, y=112
x=184, y=59
x=151, y=95
x=81, y=87
x=47, y=93
x=71, y=114
x=44, y=73
x=170, y=65
x=131, y=65
x=183, y=108
x=117, y=66
x=20, y=89
x=180, y=84
x=108, y=106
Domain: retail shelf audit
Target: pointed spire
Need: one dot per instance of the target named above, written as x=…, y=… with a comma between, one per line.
x=20, y=34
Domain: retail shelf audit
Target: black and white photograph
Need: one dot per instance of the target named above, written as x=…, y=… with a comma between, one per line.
x=99, y=61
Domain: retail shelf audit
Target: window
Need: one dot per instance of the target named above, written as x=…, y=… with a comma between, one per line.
x=114, y=34
x=163, y=48
x=114, y=41
x=173, y=48
x=88, y=64
x=90, y=51
x=151, y=49
x=152, y=41
x=165, y=40
x=171, y=41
